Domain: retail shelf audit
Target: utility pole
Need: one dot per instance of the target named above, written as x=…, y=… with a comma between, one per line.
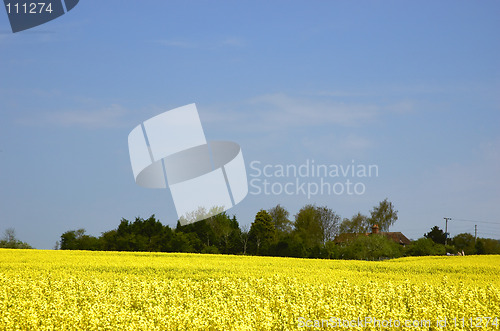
x=475, y=233
x=446, y=230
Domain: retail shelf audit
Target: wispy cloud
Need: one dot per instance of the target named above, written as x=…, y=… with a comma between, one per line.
x=339, y=146
x=108, y=117
x=238, y=42
x=28, y=36
x=401, y=107
x=275, y=112
x=296, y=111
x=341, y=93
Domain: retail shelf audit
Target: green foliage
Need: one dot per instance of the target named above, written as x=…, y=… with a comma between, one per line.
x=479, y=247
x=210, y=250
x=140, y=235
x=437, y=235
x=225, y=232
x=10, y=240
x=464, y=242
x=262, y=233
x=487, y=246
x=308, y=227
x=357, y=224
x=384, y=215
x=371, y=247
x=281, y=221
x=271, y=233
x=329, y=223
x=315, y=226
x=425, y=246
x=77, y=239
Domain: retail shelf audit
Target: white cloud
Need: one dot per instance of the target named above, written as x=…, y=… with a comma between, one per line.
x=342, y=94
x=402, y=107
x=300, y=111
x=338, y=146
x=281, y=112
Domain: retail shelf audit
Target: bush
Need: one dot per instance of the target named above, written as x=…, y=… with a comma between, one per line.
x=373, y=247
x=425, y=246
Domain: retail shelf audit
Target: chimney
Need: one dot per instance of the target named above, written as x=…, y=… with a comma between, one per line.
x=375, y=229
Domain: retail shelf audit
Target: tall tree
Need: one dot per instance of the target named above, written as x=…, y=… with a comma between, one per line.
x=384, y=215
x=329, y=222
x=281, y=221
x=308, y=227
x=490, y=246
x=316, y=225
x=436, y=234
x=77, y=239
x=244, y=237
x=425, y=246
x=357, y=224
x=10, y=235
x=222, y=226
x=262, y=232
x=371, y=248
x=464, y=242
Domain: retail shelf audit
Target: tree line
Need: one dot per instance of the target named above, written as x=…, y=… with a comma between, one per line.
x=311, y=234
x=10, y=240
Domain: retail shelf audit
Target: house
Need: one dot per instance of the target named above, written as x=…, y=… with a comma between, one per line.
x=397, y=237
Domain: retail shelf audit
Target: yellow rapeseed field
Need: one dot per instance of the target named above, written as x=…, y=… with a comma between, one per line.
x=61, y=290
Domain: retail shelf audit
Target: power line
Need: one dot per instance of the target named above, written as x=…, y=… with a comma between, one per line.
x=488, y=233
x=462, y=220
x=468, y=229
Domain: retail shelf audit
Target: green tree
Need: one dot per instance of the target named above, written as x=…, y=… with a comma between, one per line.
x=244, y=238
x=77, y=239
x=140, y=235
x=479, y=247
x=464, y=242
x=69, y=239
x=222, y=227
x=109, y=240
x=329, y=222
x=262, y=233
x=203, y=230
x=357, y=224
x=425, y=246
x=183, y=242
x=489, y=246
x=151, y=229
x=281, y=221
x=436, y=234
x=384, y=215
x=308, y=227
x=372, y=247
x=314, y=227
x=10, y=241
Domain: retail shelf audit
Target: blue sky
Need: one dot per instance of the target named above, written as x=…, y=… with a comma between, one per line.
x=412, y=87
